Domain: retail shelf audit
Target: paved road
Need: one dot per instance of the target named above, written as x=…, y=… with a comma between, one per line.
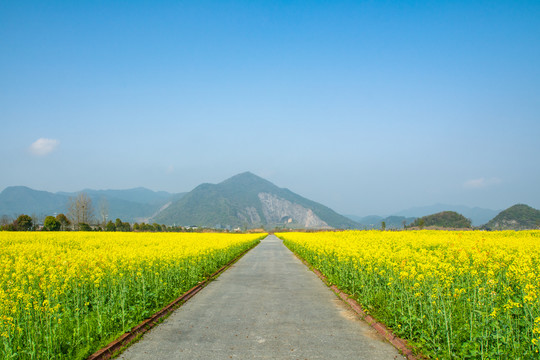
x=267, y=306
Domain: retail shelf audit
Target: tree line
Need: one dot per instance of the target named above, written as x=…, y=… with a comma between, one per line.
x=80, y=217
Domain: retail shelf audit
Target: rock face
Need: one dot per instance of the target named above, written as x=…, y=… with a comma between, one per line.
x=249, y=201
x=277, y=210
x=507, y=225
x=250, y=216
x=517, y=217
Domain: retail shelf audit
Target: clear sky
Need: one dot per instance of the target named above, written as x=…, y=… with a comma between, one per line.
x=368, y=107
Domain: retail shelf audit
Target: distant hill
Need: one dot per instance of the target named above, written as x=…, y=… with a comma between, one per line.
x=517, y=217
x=16, y=200
x=138, y=195
x=445, y=219
x=129, y=205
x=370, y=220
x=249, y=201
x=375, y=222
x=396, y=222
x=478, y=216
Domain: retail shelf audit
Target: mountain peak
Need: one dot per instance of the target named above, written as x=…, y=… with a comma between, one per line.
x=247, y=181
x=250, y=201
x=247, y=175
x=16, y=188
x=517, y=217
x=444, y=219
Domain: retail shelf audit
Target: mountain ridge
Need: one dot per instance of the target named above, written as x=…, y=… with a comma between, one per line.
x=443, y=219
x=129, y=205
x=247, y=200
x=516, y=217
x=243, y=200
x=375, y=221
x=478, y=216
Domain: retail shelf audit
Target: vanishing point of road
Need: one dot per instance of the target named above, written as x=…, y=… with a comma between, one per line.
x=266, y=306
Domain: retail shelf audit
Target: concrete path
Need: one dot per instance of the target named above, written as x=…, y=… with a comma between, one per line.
x=267, y=306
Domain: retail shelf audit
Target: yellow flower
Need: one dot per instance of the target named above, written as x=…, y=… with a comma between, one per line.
x=45, y=278
x=468, y=277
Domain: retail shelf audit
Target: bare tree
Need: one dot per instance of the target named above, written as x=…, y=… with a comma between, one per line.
x=80, y=210
x=103, y=211
x=36, y=220
x=5, y=220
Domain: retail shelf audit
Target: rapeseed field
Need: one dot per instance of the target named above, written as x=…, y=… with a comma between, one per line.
x=65, y=294
x=452, y=294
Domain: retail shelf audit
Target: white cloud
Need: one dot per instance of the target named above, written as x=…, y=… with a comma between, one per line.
x=43, y=146
x=481, y=183
x=170, y=169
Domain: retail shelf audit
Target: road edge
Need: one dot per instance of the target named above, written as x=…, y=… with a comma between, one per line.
x=117, y=346
x=400, y=344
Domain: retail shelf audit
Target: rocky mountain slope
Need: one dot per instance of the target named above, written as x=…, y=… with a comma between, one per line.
x=517, y=217
x=249, y=201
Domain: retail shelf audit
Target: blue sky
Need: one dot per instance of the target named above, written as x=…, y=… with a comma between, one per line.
x=368, y=107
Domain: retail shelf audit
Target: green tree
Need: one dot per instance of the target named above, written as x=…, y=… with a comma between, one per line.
x=110, y=226
x=145, y=227
x=122, y=226
x=64, y=221
x=23, y=223
x=51, y=224
x=126, y=226
x=7, y=227
x=84, y=227
x=383, y=225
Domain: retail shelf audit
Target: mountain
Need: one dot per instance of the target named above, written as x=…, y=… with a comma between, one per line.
x=396, y=222
x=517, y=217
x=365, y=220
x=356, y=218
x=445, y=219
x=129, y=205
x=375, y=221
x=247, y=200
x=138, y=195
x=477, y=215
x=16, y=200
